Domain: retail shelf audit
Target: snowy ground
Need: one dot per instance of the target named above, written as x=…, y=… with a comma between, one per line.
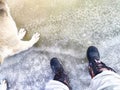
x=66, y=29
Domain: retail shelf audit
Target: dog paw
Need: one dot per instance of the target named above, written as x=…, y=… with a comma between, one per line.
x=35, y=37
x=21, y=33
x=3, y=85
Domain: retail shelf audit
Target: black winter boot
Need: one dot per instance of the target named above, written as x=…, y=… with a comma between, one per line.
x=60, y=75
x=94, y=61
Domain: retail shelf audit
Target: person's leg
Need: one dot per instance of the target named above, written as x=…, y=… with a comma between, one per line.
x=59, y=72
x=103, y=77
x=95, y=65
x=60, y=80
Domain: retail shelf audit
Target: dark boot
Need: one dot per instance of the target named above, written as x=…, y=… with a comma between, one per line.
x=95, y=65
x=60, y=75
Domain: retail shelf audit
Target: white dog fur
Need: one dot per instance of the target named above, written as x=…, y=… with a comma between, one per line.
x=10, y=38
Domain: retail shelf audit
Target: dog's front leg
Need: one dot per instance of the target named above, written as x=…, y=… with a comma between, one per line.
x=21, y=33
x=24, y=45
x=3, y=85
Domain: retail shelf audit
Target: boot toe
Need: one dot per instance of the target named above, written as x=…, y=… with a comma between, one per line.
x=56, y=66
x=93, y=53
